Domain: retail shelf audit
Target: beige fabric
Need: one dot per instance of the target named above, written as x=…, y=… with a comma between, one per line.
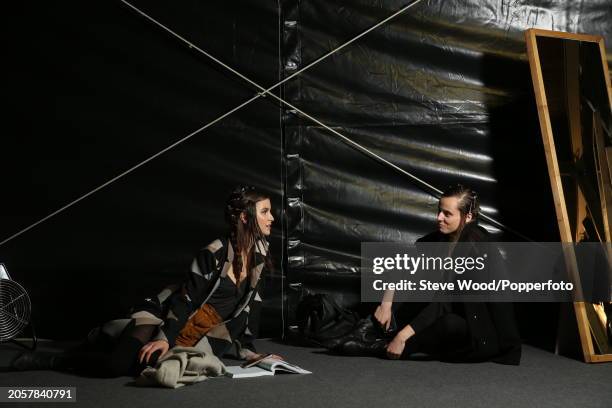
x=144, y=317
x=215, y=246
x=181, y=366
x=220, y=332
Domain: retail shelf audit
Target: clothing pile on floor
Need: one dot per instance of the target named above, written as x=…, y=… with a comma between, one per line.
x=182, y=366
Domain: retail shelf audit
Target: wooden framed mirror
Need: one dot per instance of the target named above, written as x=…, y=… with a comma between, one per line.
x=574, y=99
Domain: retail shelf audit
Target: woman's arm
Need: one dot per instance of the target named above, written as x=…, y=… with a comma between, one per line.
x=429, y=315
x=397, y=345
x=426, y=317
x=383, y=312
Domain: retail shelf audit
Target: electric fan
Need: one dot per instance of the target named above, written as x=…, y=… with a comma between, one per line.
x=15, y=309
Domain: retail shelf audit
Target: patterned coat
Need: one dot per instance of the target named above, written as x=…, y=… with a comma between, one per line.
x=174, y=305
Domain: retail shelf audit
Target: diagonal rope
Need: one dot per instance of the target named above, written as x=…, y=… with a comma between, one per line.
x=128, y=171
x=173, y=145
x=265, y=92
x=298, y=72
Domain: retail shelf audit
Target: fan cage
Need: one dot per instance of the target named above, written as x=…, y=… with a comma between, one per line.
x=15, y=309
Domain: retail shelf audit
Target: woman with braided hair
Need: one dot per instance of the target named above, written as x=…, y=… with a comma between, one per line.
x=463, y=332
x=215, y=308
x=457, y=331
x=220, y=303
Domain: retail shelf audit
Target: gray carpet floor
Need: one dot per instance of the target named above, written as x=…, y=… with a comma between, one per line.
x=542, y=380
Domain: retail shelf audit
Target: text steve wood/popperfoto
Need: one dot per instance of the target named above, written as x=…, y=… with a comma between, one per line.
x=413, y=264
x=469, y=285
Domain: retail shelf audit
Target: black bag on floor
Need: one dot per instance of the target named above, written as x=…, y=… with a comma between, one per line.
x=320, y=318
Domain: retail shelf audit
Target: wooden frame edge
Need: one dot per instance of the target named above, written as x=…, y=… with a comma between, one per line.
x=553, y=168
x=565, y=36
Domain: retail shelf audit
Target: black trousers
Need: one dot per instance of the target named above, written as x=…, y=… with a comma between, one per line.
x=447, y=339
x=108, y=358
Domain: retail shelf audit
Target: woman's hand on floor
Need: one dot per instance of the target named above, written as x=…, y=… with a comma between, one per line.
x=151, y=347
x=256, y=356
x=396, y=347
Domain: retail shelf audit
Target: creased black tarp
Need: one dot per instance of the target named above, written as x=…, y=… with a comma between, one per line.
x=444, y=92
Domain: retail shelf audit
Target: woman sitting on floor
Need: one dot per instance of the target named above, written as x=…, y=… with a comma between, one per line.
x=216, y=307
x=459, y=331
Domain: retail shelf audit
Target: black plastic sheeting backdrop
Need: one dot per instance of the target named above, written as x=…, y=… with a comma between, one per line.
x=442, y=91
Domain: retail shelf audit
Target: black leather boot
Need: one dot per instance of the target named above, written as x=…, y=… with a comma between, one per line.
x=35, y=361
x=377, y=348
x=357, y=333
x=366, y=339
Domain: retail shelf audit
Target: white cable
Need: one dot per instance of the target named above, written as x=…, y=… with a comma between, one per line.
x=263, y=92
x=131, y=169
x=313, y=63
x=357, y=146
x=191, y=45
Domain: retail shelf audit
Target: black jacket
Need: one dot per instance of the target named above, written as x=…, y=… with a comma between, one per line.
x=492, y=327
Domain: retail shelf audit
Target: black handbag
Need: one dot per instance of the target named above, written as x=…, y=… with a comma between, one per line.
x=320, y=318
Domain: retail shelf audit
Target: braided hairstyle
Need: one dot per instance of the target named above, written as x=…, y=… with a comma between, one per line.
x=244, y=231
x=467, y=203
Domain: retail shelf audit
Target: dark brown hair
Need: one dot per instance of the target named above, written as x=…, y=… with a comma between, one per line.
x=244, y=236
x=467, y=203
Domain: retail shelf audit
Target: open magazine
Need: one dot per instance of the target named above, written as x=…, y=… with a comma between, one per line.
x=267, y=366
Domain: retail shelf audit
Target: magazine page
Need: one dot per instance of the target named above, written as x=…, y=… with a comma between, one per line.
x=273, y=364
x=239, y=372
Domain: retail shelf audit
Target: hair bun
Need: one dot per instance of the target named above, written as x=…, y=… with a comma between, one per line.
x=237, y=202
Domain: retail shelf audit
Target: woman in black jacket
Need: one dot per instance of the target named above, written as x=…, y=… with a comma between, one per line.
x=214, y=308
x=462, y=332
